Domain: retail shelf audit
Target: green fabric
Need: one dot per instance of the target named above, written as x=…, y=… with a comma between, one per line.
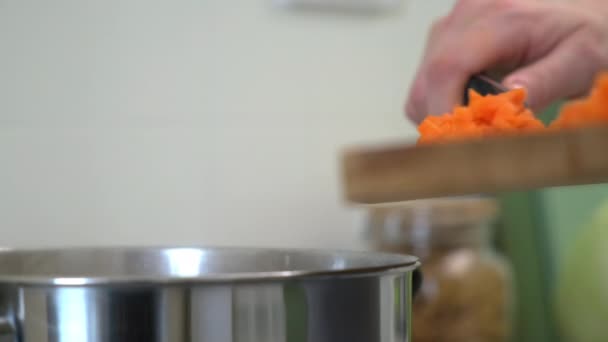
x=523, y=241
x=550, y=114
x=526, y=240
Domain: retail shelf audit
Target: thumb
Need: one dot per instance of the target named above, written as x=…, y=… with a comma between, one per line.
x=557, y=76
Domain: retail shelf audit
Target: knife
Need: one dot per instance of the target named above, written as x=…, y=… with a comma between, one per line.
x=484, y=85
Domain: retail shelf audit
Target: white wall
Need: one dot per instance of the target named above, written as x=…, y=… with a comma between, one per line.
x=202, y=122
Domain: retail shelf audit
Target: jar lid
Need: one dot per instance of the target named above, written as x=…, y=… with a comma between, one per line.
x=447, y=211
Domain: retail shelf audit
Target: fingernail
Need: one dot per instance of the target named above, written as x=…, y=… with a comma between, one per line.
x=514, y=84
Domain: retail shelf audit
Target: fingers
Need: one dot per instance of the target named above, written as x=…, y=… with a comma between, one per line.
x=485, y=35
x=439, y=84
x=559, y=74
x=462, y=44
x=445, y=77
x=438, y=73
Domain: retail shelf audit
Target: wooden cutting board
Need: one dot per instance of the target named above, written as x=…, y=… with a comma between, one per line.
x=403, y=171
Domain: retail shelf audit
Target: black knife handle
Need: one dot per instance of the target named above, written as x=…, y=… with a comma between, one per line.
x=483, y=85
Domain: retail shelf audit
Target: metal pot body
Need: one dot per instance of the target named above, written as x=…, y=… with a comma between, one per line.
x=276, y=304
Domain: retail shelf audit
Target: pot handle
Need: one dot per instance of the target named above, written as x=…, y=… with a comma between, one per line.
x=416, y=282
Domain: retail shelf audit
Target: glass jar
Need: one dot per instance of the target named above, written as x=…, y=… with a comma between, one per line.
x=466, y=288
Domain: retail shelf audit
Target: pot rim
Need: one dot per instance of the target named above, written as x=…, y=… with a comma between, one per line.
x=362, y=263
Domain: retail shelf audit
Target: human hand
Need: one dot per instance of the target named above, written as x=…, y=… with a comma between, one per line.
x=553, y=49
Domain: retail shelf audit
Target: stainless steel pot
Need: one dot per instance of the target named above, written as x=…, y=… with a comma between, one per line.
x=188, y=294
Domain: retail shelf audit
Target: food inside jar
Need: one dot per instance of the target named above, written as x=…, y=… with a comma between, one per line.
x=466, y=293
x=464, y=297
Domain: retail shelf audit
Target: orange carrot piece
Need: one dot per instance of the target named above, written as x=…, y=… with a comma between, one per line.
x=506, y=114
x=485, y=116
x=588, y=111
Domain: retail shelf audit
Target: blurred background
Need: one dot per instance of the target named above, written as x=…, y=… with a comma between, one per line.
x=220, y=122
x=207, y=121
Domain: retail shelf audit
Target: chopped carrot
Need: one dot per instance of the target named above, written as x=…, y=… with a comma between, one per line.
x=506, y=114
x=588, y=111
x=484, y=116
